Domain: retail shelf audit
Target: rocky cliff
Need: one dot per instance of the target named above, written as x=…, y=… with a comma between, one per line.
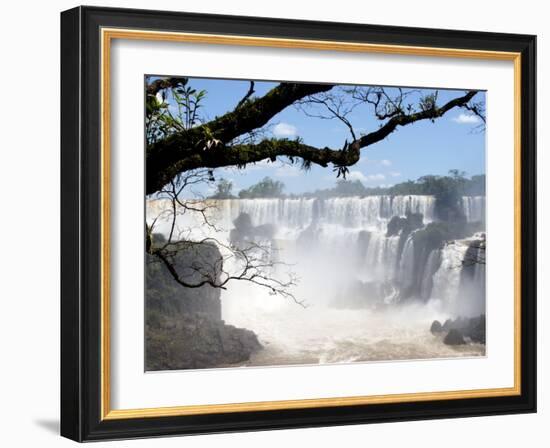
x=183, y=326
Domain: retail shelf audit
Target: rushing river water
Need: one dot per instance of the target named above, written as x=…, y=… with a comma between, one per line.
x=317, y=335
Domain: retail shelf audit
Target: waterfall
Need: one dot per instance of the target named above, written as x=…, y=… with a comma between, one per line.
x=371, y=289
x=406, y=265
x=447, y=277
x=473, y=208
x=370, y=212
x=381, y=257
x=432, y=265
x=459, y=282
x=345, y=235
x=286, y=213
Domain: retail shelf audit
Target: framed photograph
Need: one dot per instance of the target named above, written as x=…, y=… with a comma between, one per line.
x=276, y=224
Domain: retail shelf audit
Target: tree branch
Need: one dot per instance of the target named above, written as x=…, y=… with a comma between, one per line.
x=246, y=96
x=403, y=120
x=164, y=83
x=206, y=146
x=240, y=155
x=164, y=154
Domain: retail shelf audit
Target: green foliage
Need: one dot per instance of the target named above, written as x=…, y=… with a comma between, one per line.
x=224, y=190
x=428, y=102
x=349, y=188
x=345, y=188
x=447, y=189
x=475, y=186
x=183, y=112
x=456, y=184
x=188, y=101
x=156, y=126
x=266, y=188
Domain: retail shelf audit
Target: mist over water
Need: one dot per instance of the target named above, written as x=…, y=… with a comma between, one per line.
x=368, y=296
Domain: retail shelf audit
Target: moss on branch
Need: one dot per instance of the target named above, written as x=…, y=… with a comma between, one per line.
x=208, y=145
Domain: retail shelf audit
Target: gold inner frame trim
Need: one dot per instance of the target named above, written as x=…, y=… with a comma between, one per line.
x=107, y=35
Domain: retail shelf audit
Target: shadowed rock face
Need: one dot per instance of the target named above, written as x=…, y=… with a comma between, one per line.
x=454, y=337
x=196, y=342
x=183, y=326
x=411, y=222
x=461, y=330
x=436, y=327
x=167, y=297
x=245, y=232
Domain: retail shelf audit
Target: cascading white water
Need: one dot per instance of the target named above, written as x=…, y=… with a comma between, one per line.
x=338, y=247
x=432, y=265
x=282, y=213
x=447, y=278
x=337, y=224
x=382, y=257
x=474, y=208
x=370, y=212
x=461, y=293
x=406, y=264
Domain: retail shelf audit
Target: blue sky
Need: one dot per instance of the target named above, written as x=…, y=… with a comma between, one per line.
x=452, y=142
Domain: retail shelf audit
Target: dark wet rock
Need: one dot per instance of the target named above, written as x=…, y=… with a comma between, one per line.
x=245, y=231
x=454, y=337
x=395, y=225
x=436, y=327
x=196, y=342
x=405, y=225
x=415, y=221
x=447, y=325
x=470, y=328
x=183, y=326
x=476, y=329
x=165, y=296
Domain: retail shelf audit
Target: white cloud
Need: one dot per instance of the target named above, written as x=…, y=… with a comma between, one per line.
x=466, y=119
x=385, y=162
x=358, y=175
x=284, y=130
x=394, y=173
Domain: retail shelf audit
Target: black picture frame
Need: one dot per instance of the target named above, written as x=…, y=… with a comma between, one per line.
x=81, y=224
